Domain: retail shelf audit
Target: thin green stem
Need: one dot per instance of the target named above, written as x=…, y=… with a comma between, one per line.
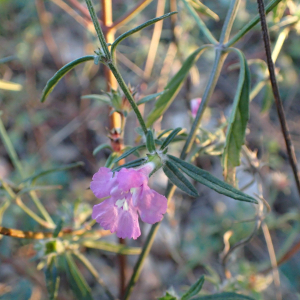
x=98, y=29
x=200, y=23
x=17, y=164
x=94, y=272
x=146, y=248
x=212, y=81
x=251, y=24
x=220, y=57
x=230, y=17
x=128, y=95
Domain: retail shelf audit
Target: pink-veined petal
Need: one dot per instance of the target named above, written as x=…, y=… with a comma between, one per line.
x=151, y=205
x=102, y=183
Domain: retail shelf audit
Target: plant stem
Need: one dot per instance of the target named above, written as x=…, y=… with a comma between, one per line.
x=251, y=24
x=98, y=28
x=128, y=95
x=278, y=101
x=215, y=73
x=226, y=29
x=200, y=23
x=116, y=120
x=212, y=81
x=146, y=248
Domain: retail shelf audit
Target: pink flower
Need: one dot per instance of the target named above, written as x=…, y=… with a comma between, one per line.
x=195, y=103
x=129, y=195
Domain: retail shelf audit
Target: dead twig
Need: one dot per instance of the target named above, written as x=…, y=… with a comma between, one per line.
x=275, y=89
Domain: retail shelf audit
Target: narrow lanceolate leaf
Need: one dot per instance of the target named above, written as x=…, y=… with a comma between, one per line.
x=101, y=147
x=164, y=132
x=173, y=87
x=103, y=98
x=210, y=181
x=170, y=137
x=150, y=142
x=77, y=282
x=61, y=73
x=127, y=153
x=52, y=278
x=138, y=28
x=194, y=289
x=237, y=125
x=224, y=296
x=111, y=160
x=110, y=247
x=177, y=178
x=132, y=164
x=58, y=228
x=149, y=98
x=34, y=177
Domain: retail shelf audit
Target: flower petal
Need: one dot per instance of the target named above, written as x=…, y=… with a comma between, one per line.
x=151, y=205
x=106, y=214
x=129, y=178
x=128, y=226
x=102, y=183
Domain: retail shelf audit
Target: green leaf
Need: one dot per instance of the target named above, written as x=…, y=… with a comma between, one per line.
x=34, y=177
x=237, y=124
x=103, y=98
x=61, y=73
x=58, y=228
x=224, y=296
x=52, y=278
x=177, y=178
x=110, y=247
x=173, y=87
x=127, y=153
x=210, y=181
x=77, y=282
x=101, y=147
x=149, y=98
x=170, y=137
x=136, y=29
x=194, y=289
x=135, y=163
x=111, y=160
x=150, y=142
x=203, y=9
x=164, y=132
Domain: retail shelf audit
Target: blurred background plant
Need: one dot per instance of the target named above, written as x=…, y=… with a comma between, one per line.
x=51, y=150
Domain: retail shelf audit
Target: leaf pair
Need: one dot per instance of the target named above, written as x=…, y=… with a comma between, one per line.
x=175, y=166
x=68, y=67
